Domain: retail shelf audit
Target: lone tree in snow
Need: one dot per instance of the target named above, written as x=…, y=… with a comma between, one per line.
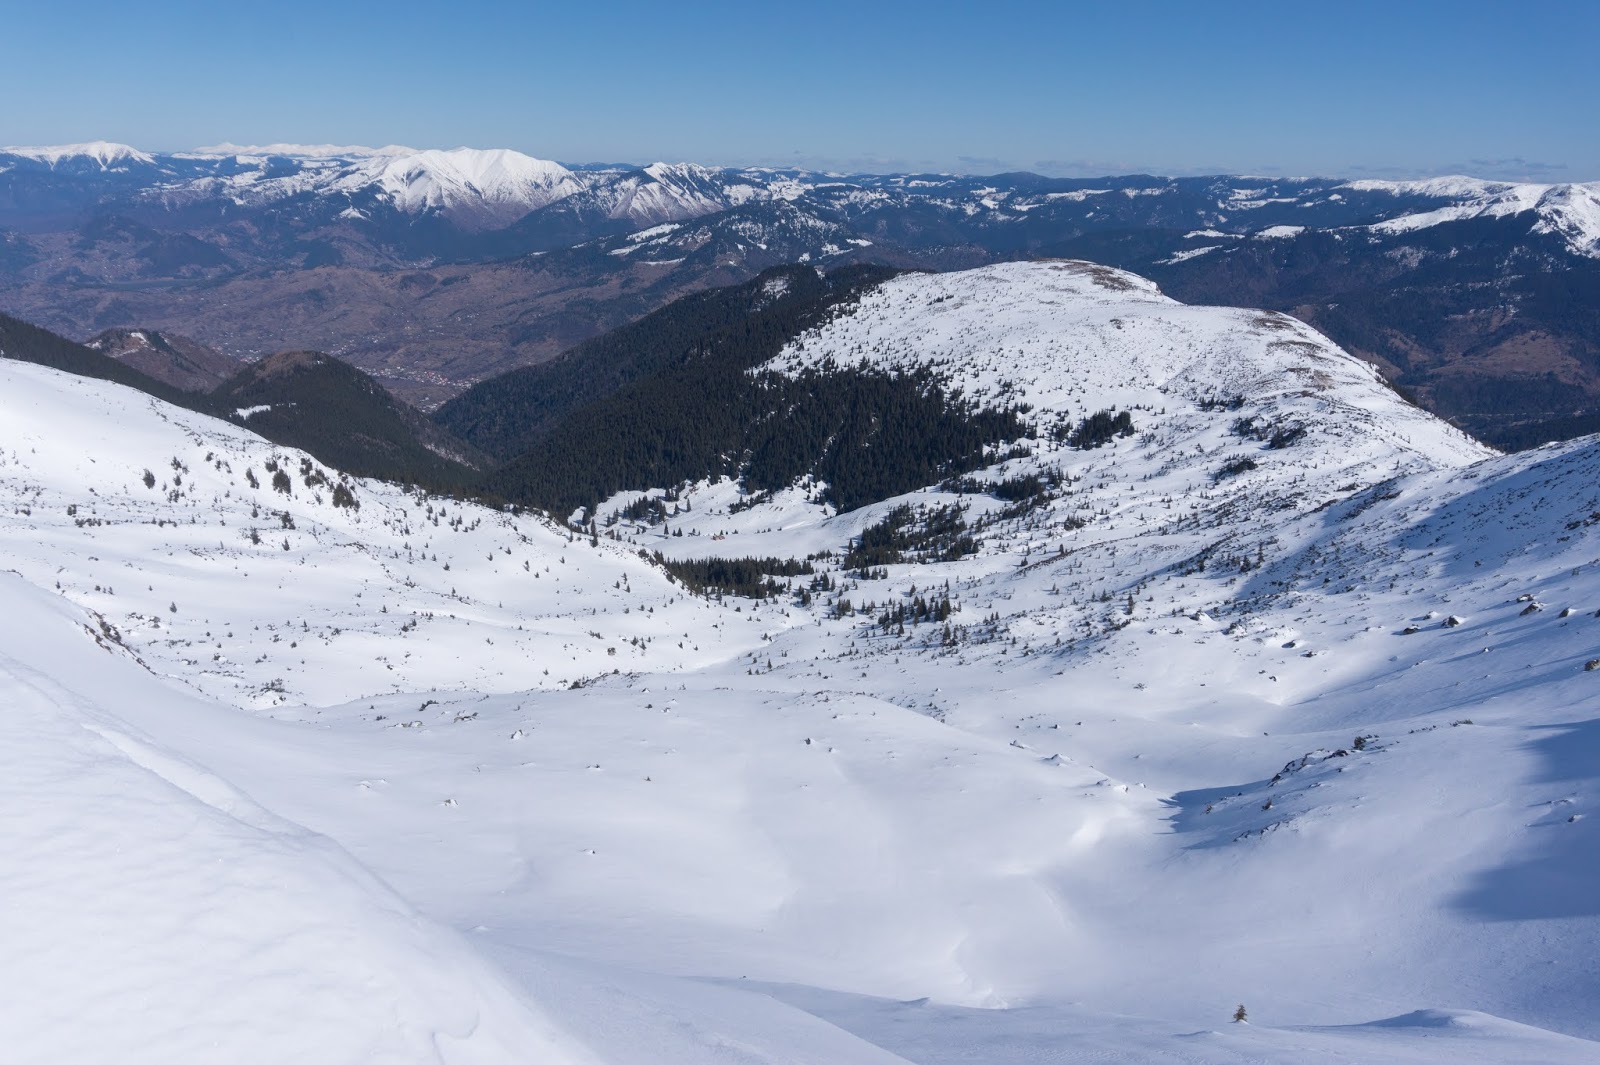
x=1239, y=1015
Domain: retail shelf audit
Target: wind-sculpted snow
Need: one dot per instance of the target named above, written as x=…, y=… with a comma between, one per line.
x=152, y=913
x=1285, y=699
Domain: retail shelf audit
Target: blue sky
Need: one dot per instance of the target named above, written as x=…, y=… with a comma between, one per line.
x=1397, y=88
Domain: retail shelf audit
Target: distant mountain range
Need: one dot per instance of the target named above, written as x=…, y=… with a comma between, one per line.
x=492, y=188
x=436, y=269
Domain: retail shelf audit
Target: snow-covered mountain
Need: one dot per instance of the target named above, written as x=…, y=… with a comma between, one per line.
x=501, y=184
x=759, y=234
x=671, y=192
x=1277, y=695
x=475, y=188
x=103, y=155
x=1570, y=211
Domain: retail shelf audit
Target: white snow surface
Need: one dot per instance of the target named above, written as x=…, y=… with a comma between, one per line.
x=353, y=808
x=196, y=925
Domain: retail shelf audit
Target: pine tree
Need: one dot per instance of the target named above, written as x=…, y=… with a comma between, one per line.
x=1239, y=1015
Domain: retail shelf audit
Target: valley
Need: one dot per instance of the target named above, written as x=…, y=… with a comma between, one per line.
x=1224, y=676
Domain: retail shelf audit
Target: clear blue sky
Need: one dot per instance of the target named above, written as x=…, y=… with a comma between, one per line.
x=1347, y=88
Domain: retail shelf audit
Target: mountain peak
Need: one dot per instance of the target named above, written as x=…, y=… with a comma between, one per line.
x=496, y=184
x=177, y=360
x=679, y=171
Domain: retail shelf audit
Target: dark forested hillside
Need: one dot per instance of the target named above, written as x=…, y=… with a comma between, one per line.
x=742, y=324
x=864, y=435
x=29, y=343
x=672, y=398
x=344, y=417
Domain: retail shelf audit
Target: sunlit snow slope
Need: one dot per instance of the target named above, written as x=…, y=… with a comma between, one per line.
x=1311, y=731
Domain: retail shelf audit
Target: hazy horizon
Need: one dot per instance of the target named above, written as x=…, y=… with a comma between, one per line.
x=1392, y=91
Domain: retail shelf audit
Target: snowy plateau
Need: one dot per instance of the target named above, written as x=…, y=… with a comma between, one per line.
x=1287, y=698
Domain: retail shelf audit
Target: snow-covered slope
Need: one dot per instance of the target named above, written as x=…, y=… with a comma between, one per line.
x=394, y=566
x=1198, y=730
x=1069, y=338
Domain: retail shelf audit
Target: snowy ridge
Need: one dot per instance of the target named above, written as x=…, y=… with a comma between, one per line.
x=1569, y=211
x=670, y=192
x=104, y=154
x=1573, y=213
x=495, y=188
x=481, y=187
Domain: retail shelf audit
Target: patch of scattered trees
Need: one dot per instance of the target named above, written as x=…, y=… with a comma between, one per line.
x=1099, y=429
x=913, y=534
x=1233, y=468
x=1275, y=436
x=752, y=578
